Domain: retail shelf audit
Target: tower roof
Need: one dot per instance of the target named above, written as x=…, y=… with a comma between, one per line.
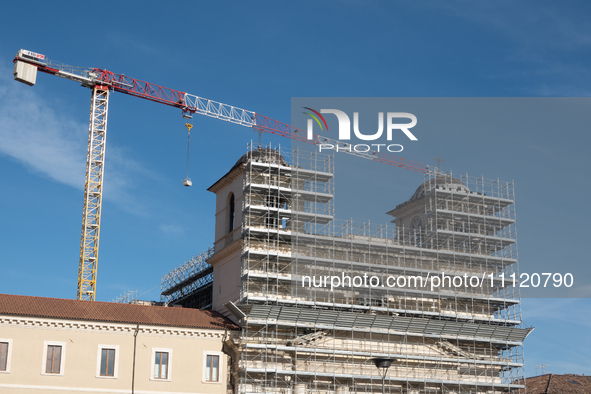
x=441, y=181
x=261, y=155
x=264, y=155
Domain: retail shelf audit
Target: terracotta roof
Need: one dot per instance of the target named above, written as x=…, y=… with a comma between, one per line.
x=112, y=312
x=558, y=384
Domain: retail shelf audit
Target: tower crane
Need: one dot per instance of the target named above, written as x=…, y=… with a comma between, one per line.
x=102, y=83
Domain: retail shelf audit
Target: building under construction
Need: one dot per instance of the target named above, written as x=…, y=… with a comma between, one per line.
x=276, y=235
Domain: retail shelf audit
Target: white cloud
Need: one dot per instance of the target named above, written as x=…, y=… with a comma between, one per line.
x=571, y=310
x=37, y=134
x=172, y=229
x=550, y=40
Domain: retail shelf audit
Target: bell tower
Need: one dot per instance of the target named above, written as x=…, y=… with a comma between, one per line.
x=228, y=237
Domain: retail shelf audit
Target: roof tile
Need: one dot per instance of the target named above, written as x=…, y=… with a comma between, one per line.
x=112, y=312
x=558, y=384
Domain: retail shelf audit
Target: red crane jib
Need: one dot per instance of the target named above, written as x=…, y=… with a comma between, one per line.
x=176, y=98
x=143, y=89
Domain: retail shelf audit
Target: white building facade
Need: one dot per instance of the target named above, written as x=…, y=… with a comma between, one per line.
x=275, y=227
x=68, y=346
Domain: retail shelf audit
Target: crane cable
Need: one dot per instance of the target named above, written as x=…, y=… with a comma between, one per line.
x=187, y=181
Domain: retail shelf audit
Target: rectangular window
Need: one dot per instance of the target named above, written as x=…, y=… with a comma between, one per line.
x=3, y=356
x=54, y=358
x=107, y=362
x=212, y=368
x=161, y=365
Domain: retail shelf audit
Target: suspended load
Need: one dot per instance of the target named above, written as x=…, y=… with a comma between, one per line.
x=187, y=181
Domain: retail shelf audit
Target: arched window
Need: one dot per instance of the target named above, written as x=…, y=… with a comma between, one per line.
x=417, y=231
x=231, y=213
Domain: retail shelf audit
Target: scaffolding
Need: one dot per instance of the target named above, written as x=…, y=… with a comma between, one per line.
x=190, y=284
x=126, y=298
x=298, y=339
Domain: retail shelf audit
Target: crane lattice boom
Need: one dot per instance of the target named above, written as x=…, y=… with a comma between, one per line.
x=27, y=63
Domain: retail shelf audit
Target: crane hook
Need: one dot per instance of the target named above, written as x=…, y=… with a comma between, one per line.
x=187, y=181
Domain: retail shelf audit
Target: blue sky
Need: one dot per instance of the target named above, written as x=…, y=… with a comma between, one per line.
x=258, y=55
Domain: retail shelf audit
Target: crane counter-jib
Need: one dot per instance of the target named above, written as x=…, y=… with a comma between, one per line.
x=102, y=82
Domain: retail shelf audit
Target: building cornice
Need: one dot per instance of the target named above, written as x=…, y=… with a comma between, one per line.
x=404, y=208
x=9, y=321
x=228, y=250
x=227, y=179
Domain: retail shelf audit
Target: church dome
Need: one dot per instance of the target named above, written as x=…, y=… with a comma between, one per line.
x=443, y=182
